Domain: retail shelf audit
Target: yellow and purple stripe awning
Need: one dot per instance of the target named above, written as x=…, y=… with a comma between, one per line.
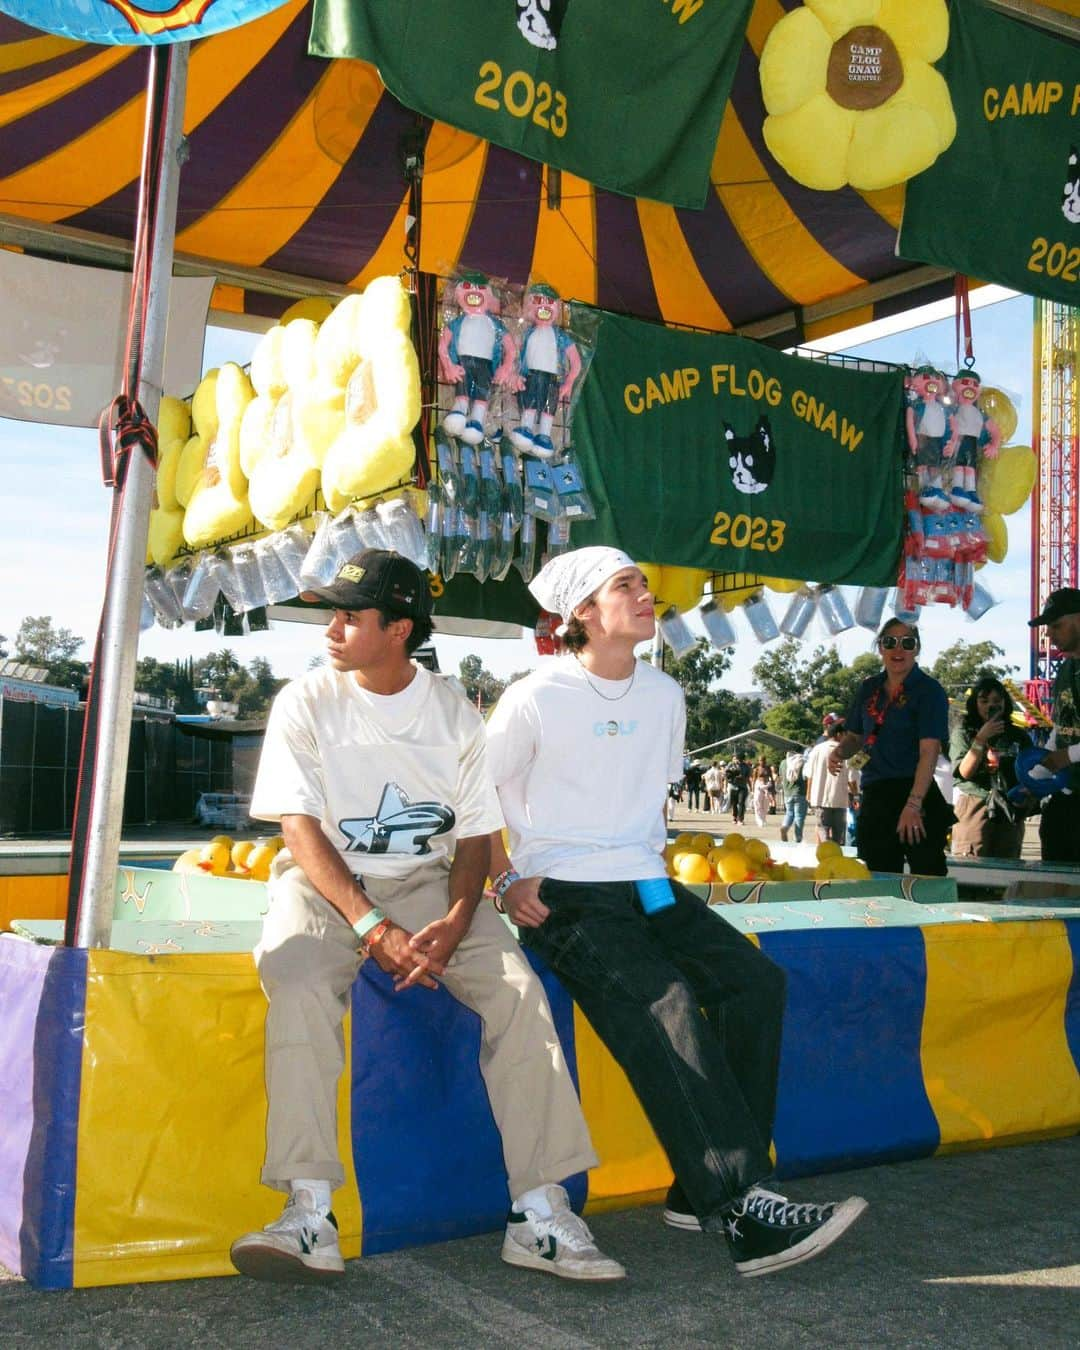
x=296, y=168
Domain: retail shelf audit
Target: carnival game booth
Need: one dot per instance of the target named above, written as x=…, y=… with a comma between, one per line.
x=134, y=1077
x=910, y=1029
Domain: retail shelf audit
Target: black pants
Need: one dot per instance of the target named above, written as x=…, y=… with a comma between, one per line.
x=1059, y=829
x=706, y=1080
x=738, y=804
x=882, y=849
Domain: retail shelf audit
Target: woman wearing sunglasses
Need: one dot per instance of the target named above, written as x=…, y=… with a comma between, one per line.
x=900, y=718
x=983, y=750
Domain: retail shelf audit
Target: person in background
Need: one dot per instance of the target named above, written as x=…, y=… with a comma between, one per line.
x=854, y=790
x=826, y=792
x=760, y=783
x=714, y=787
x=900, y=718
x=642, y=956
x=694, y=777
x=1059, y=829
x=792, y=772
x=377, y=771
x=982, y=750
x=738, y=778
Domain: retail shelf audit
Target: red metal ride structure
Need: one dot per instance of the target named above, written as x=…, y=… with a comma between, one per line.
x=1055, y=510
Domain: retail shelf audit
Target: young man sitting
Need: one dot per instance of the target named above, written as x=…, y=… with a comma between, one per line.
x=582, y=751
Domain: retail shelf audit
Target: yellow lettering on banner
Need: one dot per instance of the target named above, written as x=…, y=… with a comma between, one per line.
x=684, y=9
x=673, y=386
x=825, y=419
x=757, y=386
x=1075, y=101
x=1030, y=100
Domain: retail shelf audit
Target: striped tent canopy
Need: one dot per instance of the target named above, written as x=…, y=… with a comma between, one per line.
x=295, y=182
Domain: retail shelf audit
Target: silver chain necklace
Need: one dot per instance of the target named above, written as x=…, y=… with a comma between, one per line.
x=608, y=698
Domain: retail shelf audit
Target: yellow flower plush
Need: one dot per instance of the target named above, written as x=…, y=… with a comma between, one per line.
x=851, y=94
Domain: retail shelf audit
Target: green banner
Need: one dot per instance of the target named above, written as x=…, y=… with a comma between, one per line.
x=716, y=452
x=628, y=96
x=1003, y=202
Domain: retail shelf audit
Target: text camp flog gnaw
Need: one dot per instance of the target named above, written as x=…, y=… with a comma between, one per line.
x=724, y=379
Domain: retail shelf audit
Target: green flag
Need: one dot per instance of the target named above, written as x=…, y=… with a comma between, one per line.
x=628, y=96
x=717, y=452
x=1003, y=202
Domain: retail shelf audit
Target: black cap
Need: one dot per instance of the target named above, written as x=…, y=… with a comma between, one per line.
x=378, y=579
x=1058, y=604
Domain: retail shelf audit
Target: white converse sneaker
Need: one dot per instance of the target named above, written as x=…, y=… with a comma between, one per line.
x=300, y=1248
x=559, y=1245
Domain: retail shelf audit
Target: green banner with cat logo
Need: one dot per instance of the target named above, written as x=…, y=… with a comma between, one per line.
x=713, y=451
x=628, y=96
x=1003, y=202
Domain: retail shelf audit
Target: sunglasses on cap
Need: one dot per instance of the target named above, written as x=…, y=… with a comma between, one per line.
x=909, y=644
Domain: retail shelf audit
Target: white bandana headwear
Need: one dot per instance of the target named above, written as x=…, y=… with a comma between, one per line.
x=567, y=580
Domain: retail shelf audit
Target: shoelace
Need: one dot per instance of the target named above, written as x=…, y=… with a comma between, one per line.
x=565, y=1225
x=297, y=1216
x=778, y=1209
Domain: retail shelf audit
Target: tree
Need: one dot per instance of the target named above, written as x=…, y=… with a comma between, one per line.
x=40, y=644
x=959, y=666
x=712, y=714
x=823, y=685
x=482, y=687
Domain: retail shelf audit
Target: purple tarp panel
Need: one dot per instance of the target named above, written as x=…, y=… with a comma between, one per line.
x=42, y=1003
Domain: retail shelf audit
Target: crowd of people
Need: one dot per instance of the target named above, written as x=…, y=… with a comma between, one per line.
x=392, y=796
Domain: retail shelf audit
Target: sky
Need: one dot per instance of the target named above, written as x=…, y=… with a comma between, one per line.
x=54, y=517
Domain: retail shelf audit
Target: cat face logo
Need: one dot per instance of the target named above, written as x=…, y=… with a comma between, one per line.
x=1070, y=200
x=752, y=459
x=540, y=21
x=398, y=826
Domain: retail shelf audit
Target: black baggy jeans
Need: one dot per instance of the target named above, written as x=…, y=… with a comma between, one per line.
x=691, y=1010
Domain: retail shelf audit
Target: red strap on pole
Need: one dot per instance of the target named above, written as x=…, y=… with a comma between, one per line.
x=963, y=321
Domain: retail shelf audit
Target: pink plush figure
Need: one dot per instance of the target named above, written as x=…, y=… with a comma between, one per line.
x=548, y=366
x=476, y=352
x=972, y=435
x=926, y=426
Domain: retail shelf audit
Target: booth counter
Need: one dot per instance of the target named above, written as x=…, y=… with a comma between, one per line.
x=133, y=1080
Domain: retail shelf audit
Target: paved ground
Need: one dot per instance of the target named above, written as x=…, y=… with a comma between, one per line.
x=980, y=1249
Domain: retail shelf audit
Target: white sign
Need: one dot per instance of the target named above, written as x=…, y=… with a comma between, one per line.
x=62, y=338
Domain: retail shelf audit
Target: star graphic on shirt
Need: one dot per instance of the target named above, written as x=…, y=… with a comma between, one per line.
x=398, y=825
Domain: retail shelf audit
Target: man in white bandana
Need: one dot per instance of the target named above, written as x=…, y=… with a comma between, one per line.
x=582, y=751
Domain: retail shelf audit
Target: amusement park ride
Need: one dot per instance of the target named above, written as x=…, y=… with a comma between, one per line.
x=1055, y=513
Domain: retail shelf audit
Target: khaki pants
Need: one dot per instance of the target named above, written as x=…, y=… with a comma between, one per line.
x=307, y=961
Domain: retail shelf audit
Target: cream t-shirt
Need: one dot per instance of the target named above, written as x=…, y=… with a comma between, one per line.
x=582, y=767
x=394, y=780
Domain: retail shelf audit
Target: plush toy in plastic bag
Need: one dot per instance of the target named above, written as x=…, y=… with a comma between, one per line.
x=972, y=434
x=927, y=429
x=476, y=353
x=548, y=366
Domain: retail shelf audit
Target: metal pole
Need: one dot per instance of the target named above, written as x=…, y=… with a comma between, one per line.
x=124, y=592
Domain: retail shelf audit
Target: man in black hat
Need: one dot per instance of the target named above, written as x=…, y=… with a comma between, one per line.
x=1059, y=829
x=377, y=771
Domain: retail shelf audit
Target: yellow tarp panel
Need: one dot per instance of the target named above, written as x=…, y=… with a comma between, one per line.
x=172, y=1119
x=994, y=1032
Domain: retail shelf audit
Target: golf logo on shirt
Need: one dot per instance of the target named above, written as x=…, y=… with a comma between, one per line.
x=398, y=826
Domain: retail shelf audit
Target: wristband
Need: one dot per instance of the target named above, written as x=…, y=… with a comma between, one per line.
x=502, y=884
x=376, y=935
x=363, y=926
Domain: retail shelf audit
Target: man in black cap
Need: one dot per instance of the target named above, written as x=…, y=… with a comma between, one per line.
x=377, y=771
x=1059, y=829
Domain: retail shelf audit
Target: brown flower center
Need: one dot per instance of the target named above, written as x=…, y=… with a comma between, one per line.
x=864, y=68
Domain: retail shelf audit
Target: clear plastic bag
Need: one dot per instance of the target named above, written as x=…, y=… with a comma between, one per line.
x=291, y=546
x=203, y=587
x=541, y=499
x=162, y=598
x=277, y=583
x=719, y=627
x=574, y=500
x=676, y=632
x=320, y=564
x=834, y=611
x=525, y=562
x=799, y=613
x=759, y=617
x=403, y=531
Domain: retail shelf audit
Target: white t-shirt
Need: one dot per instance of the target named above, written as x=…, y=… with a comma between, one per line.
x=583, y=774
x=394, y=780
x=822, y=787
